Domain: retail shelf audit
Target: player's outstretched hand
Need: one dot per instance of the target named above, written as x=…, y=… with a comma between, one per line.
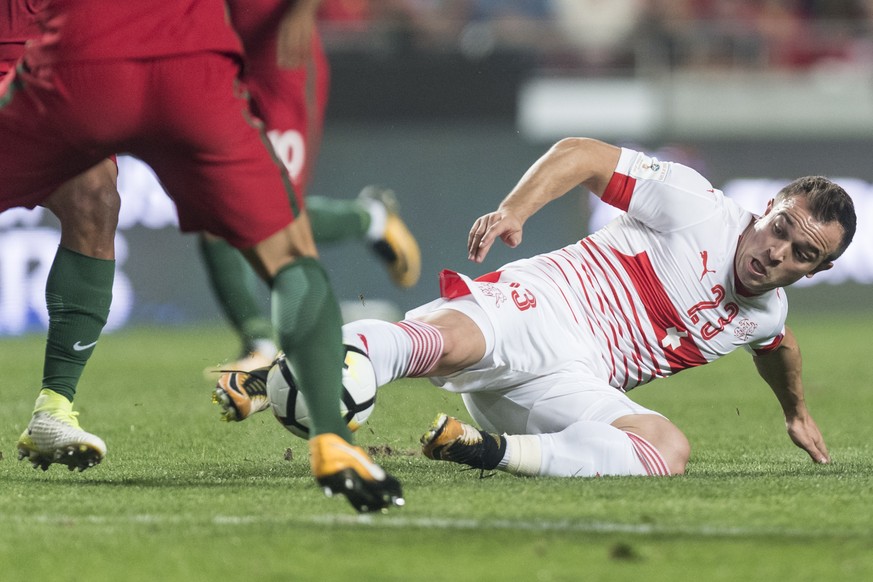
x=805, y=434
x=488, y=228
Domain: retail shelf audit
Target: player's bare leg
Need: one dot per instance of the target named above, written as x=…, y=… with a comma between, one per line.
x=78, y=294
x=665, y=436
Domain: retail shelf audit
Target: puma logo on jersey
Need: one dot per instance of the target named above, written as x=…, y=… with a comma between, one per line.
x=704, y=256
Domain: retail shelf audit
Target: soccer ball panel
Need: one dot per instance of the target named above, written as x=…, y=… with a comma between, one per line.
x=357, y=400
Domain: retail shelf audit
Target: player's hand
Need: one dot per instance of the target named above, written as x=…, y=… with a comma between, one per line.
x=488, y=228
x=806, y=435
x=294, y=35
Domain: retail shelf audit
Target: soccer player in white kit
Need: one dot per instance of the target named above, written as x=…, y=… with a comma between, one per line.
x=544, y=349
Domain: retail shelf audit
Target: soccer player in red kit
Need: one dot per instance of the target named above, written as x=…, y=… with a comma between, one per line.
x=159, y=80
x=290, y=98
x=79, y=284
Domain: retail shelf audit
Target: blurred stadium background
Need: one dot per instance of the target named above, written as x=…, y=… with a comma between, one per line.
x=449, y=101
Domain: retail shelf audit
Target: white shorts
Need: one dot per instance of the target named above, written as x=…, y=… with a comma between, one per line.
x=539, y=373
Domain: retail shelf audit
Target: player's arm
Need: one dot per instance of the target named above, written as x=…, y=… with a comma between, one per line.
x=294, y=35
x=569, y=163
x=781, y=369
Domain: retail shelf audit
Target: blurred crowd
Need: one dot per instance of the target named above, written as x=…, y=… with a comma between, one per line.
x=614, y=34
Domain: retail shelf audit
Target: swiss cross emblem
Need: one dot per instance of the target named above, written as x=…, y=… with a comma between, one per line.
x=673, y=339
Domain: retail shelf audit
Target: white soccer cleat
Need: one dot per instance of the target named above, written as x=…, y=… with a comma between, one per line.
x=54, y=436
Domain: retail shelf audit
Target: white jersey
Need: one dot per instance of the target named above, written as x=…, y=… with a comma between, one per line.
x=652, y=293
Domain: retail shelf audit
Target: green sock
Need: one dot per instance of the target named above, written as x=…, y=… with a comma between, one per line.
x=335, y=220
x=308, y=321
x=78, y=294
x=236, y=289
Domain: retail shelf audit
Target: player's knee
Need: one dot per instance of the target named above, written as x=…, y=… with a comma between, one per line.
x=676, y=450
x=463, y=343
x=88, y=206
x=662, y=434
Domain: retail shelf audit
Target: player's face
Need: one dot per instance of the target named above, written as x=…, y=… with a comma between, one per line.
x=784, y=245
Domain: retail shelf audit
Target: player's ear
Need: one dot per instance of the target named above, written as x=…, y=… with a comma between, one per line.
x=823, y=267
x=769, y=207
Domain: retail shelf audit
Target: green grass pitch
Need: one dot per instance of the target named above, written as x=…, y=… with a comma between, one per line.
x=182, y=496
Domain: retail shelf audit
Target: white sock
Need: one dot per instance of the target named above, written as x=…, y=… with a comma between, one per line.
x=378, y=218
x=404, y=349
x=523, y=455
x=266, y=347
x=592, y=449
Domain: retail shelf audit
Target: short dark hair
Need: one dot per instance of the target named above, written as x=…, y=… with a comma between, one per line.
x=828, y=202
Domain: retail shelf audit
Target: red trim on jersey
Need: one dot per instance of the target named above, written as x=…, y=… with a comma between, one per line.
x=661, y=311
x=452, y=285
x=585, y=284
x=619, y=190
x=559, y=288
x=620, y=315
x=771, y=347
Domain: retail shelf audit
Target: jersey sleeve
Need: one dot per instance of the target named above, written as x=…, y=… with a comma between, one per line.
x=768, y=341
x=666, y=196
x=764, y=348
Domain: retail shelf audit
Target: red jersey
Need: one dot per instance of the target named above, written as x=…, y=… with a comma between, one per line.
x=102, y=30
x=256, y=22
x=17, y=24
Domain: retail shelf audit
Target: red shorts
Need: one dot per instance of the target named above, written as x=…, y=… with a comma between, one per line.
x=184, y=116
x=6, y=67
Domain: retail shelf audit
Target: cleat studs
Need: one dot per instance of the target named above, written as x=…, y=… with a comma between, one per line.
x=328, y=492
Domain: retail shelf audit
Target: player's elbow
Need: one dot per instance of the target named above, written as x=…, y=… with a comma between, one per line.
x=579, y=145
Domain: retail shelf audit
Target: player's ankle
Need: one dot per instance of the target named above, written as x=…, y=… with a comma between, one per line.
x=523, y=455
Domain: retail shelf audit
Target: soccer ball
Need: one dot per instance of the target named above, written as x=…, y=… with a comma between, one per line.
x=358, y=396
